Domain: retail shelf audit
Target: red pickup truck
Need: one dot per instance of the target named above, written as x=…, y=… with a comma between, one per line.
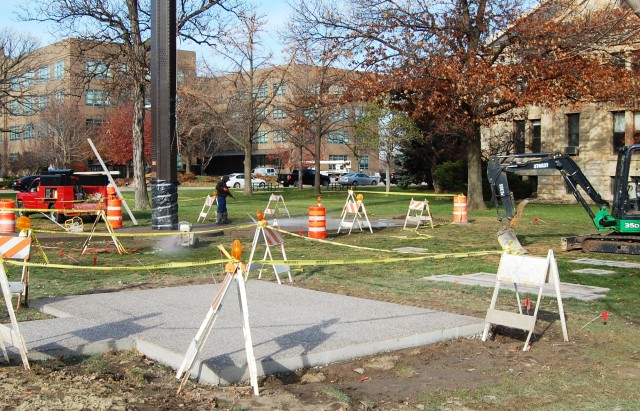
x=64, y=190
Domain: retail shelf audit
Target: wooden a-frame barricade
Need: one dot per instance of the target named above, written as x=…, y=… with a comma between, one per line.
x=271, y=238
x=355, y=208
x=419, y=213
x=18, y=248
x=210, y=201
x=277, y=206
x=21, y=288
x=526, y=271
x=101, y=216
x=205, y=329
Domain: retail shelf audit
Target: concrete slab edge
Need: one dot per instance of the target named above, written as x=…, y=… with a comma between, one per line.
x=268, y=366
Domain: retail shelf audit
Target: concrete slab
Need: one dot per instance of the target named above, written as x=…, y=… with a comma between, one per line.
x=567, y=290
x=608, y=263
x=291, y=327
x=593, y=271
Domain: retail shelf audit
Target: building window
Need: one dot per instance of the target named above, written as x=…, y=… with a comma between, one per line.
x=261, y=137
x=338, y=115
x=28, y=132
x=93, y=122
x=619, y=130
x=519, y=137
x=262, y=91
x=96, y=98
x=261, y=115
x=14, y=157
x=15, y=84
x=336, y=157
x=279, y=136
x=44, y=74
x=59, y=96
x=28, y=105
x=58, y=70
x=14, y=108
x=279, y=89
x=573, y=130
x=536, y=136
x=179, y=77
x=338, y=137
x=29, y=79
x=364, y=163
x=43, y=102
x=98, y=69
x=278, y=114
x=14, y=133
x=636, y=127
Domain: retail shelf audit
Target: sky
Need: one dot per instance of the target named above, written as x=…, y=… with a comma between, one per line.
x=275, y=11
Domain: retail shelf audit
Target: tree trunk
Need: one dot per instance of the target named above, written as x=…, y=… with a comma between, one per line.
x=474, y=174
x=139, y=180
x=247, y=169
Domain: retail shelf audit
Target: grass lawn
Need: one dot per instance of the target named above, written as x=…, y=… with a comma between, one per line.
x=540, y=229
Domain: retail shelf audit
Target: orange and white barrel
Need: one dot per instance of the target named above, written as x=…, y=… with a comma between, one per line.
x=317, y=222
x=460, y=209
x=111, y=191
x=7, y=217
x=114, y=212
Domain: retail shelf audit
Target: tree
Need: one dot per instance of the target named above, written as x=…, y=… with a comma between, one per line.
x=197, y=135
x=243, y=93
x=114, y=137
x=388, y=130
x=317, y=102
x=62, y=135
x=125, y=26
x=15, y=61
x=462, y=63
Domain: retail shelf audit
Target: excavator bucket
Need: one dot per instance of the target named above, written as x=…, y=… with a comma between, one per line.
x=507, y=235
x=509, y=242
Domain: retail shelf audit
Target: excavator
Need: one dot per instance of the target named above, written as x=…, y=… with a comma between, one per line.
x=621, y=220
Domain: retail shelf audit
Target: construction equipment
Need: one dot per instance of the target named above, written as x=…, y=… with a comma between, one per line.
x=622, y=219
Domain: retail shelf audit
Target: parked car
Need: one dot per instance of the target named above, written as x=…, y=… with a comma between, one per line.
x=236, y=180
x=23, y=183
x=308, y=178
x=357, y=179
x=392, y=178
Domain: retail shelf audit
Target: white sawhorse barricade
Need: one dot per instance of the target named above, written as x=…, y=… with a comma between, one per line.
x=208, y=203
x=270, y=237
x=205, y=328
x=416, y=213
x=277, y=207
x=524, y=270
x=356, y=208
x=17, y=248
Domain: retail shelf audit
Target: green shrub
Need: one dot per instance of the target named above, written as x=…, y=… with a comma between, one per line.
x=451, y=177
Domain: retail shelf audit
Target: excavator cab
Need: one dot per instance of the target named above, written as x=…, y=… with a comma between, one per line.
x=626, y=200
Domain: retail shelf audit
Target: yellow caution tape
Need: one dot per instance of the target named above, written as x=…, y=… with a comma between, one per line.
x=332, y=242
x=157, y=234
x=106, y=268
x=300, y=263
x=407, y=194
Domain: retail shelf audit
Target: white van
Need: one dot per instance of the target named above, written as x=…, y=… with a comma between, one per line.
x=265, y=171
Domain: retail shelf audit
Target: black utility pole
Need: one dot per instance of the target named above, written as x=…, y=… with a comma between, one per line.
x=164, y=142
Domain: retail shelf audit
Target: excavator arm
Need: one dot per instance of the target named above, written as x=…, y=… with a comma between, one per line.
x=575, y=179
x=503, y=200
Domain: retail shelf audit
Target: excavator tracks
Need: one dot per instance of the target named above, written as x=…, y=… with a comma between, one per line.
x=614, y=244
